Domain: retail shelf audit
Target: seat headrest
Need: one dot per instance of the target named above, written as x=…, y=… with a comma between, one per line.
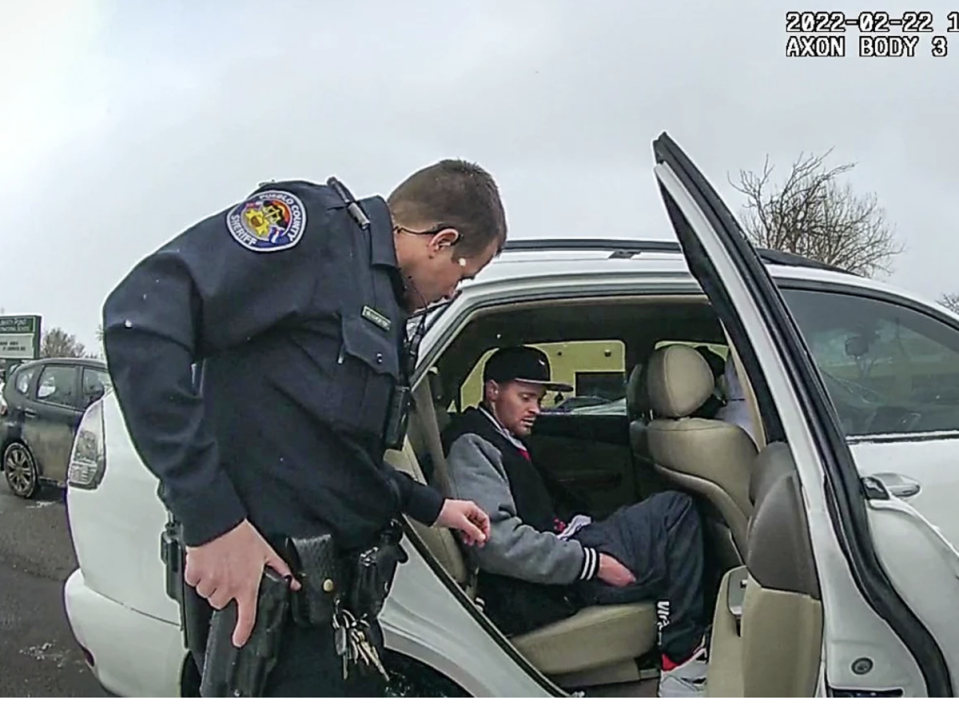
x=679, y=381
x=637, y=392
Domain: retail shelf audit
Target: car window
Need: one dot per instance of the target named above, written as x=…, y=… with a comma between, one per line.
x=95, y=385
x=58, y=385
x=888, y=368
x=595, y=369
x=23, y=379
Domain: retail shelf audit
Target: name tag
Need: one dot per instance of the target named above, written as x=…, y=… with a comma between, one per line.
x=376, y=318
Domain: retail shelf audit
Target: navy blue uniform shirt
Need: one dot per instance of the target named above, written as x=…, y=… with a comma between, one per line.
x=293, y=315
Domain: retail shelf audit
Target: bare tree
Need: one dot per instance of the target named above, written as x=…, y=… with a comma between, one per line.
x=57, y=343
x=813, y=215
x=102, y=352
x=950, y=300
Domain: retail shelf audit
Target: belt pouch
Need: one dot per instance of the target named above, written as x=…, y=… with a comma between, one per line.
x=319, y=569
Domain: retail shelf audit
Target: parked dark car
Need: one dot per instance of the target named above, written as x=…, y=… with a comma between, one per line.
x=45, y=400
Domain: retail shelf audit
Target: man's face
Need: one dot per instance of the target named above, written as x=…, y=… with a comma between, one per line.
x=516, y=405
x=440, y=273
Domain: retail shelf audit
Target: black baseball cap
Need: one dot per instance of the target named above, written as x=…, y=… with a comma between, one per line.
x=522, y=364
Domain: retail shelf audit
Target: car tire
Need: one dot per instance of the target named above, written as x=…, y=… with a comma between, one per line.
x=20, y=470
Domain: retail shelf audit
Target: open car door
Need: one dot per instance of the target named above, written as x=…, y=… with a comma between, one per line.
x=887, y=579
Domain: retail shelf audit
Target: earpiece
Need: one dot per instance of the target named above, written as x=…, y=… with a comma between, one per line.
x=462, y=262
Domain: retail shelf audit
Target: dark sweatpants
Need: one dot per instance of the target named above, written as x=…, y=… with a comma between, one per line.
x=660, y=540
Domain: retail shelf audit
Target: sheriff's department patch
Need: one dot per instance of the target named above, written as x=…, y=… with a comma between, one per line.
x=268, y=221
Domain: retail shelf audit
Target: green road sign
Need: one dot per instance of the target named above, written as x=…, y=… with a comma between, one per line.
x=19, y=337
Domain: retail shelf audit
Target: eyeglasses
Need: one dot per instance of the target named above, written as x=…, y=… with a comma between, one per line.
x=432, y=231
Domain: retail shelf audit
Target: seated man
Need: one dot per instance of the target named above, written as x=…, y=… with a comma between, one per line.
x=542, y=562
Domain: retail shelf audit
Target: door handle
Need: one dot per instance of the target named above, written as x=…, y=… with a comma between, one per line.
x=899, y=485
x=30, y=413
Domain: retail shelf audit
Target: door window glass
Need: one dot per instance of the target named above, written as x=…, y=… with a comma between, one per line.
x=888, y=368
x=58, y=385
x=95, y=384
x=23, y=380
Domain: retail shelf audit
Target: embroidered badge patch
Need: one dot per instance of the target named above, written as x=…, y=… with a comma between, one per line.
x=376, y=317
x=267, y=222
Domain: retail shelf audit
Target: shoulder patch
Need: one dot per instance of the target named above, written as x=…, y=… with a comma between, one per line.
x=268, y=221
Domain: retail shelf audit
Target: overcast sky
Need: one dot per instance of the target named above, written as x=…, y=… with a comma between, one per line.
x=123, y=122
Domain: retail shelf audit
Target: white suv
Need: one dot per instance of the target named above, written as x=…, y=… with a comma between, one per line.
x=826, y=577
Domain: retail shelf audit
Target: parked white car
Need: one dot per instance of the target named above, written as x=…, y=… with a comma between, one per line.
x=830, y=543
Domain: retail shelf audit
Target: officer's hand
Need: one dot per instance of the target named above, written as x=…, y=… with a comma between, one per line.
x=467, y=517
x=230, y=568
x=614, y=573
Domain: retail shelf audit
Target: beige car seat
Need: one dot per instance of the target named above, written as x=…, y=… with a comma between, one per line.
x=768, y=622
x=707, y=457
x=599, y=643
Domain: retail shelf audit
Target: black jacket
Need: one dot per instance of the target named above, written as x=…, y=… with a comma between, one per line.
x=293, y=313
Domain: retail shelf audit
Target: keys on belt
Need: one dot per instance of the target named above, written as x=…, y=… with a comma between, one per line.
x=354, y=643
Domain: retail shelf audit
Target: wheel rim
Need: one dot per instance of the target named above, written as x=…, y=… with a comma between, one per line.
x=19, y=470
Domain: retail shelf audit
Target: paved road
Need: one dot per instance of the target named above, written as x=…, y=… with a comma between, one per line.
x=37, y=652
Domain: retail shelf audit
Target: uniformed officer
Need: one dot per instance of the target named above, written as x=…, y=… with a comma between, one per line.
x=256, y=357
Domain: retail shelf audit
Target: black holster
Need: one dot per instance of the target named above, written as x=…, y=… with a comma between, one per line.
x=208, y=633
x=243, y=671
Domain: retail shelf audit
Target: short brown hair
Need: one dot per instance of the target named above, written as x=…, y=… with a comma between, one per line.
x=456, y=194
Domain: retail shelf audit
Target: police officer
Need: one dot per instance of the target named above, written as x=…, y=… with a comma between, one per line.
x=256, y=357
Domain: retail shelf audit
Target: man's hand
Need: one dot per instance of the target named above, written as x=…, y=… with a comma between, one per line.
x=230, y=568
x=614, y=573
x=468, y=518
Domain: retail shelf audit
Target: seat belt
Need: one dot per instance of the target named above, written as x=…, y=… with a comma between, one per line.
x=426, y=418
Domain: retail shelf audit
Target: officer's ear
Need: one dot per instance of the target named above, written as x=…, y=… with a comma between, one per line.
x=491, y=393
x=444, y=240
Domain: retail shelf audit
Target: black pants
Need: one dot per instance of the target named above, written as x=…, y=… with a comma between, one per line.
x=661, y=541
x=309, y=666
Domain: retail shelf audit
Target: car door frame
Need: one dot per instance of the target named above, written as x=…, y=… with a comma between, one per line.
x=859, y=598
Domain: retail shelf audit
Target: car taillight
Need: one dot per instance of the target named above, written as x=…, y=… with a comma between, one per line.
x=88, y=459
